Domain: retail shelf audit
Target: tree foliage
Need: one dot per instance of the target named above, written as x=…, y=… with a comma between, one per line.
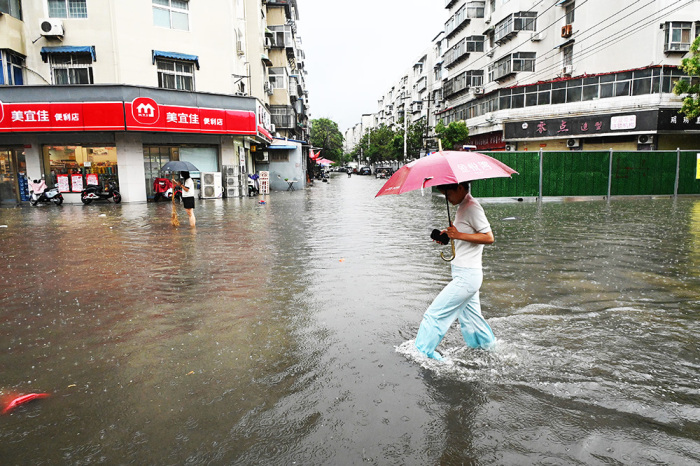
x=690, y=88
x=326, y=135
x=384, y=144
x=453, y=135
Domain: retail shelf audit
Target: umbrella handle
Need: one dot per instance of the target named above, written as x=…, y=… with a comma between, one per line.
x=446, y=259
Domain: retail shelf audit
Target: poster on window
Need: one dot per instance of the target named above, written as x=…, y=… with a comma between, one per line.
x=92, y=179
x=77, y=183
x=697, y=169
x=63, y=185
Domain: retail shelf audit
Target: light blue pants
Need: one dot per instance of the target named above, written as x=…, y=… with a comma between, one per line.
x=458, y=300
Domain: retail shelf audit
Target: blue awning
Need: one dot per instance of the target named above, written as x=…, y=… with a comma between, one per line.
x=69, y=50
x=176, y=56
x=287, y=147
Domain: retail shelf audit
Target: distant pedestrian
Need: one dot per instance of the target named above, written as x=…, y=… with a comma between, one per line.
x=188, y=196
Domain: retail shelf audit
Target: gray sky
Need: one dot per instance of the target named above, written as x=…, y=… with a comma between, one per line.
x=356, y=50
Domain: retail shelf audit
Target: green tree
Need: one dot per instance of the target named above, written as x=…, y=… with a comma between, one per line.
x=452, y=135
x=326, y=135
x=690, y=87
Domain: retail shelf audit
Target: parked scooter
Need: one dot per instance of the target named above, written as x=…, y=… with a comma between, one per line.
x=96, y=193
x=163, y=187
x=39, y=193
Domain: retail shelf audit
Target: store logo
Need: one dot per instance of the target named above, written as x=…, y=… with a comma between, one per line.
x=145, y=110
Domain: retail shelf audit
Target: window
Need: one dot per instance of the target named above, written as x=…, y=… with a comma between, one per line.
x=67, y=8
x=567, y=56
x=475, y=78
x=521, y=21
x=11, y=69
x=12, y=8
x=521, y=61
x=278, y=78
x=677, y=37
x=570, y=10
x=475, y=9
x=171, y=14
x=71, y=68
x=475, y=43
x=72, y=160
x=173, y=74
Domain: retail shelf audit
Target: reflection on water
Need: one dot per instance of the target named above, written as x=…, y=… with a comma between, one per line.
x=280, y=333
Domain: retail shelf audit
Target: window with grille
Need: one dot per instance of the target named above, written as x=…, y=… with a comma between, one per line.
x=71, y=69
x=173, y=74
x=678, y=36
x=11, y=69
x=171, y=14
x=11, y=7
x=67, y=8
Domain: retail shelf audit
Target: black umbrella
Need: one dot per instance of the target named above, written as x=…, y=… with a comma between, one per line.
x=178, y=166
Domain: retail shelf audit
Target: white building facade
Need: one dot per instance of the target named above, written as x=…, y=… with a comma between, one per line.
x=116, y=88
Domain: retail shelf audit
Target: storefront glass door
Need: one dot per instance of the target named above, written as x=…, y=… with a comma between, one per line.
x=154, y=157
x=13, y=179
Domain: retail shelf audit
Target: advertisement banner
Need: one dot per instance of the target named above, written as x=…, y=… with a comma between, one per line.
x=76, y=116
x=264, y=182
x=92, y=179
x=76, y=182
x=63, y=184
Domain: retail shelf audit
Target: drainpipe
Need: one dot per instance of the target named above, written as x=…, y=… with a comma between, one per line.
x=610, y=166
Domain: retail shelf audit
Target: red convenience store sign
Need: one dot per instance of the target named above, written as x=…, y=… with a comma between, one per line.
x=142, y=114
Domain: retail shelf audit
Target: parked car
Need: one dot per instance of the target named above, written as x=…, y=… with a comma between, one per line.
x=365, y=171
x=383, y=172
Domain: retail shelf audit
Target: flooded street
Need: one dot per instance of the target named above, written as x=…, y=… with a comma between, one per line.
x=279, y=333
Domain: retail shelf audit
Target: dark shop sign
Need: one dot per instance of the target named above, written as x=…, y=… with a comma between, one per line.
x=671, y=120
x=591, y=125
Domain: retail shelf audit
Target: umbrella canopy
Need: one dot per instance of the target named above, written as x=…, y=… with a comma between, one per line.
x=323, y=161
x=178, y=166
x=445, y=167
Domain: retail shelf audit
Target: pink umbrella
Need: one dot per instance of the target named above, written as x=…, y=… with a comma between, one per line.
x=444, y=167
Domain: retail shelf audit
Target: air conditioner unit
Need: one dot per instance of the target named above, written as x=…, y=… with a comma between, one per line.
x=211, y=185
x=51, y=27
x=567, y=70
x=489, y=53
x=261, y=157
x=230, y=170
x=566, y=31
x=573, y=143
x=510, y=147
x=268, y=43
x=645, y=139
x=537, y=36
x=272, y=128
x=233, y=191
x=478, y=90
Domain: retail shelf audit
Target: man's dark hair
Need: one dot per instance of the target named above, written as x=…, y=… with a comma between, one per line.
x=450, y=187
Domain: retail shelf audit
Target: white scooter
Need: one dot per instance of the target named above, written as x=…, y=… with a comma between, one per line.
x=39, y=193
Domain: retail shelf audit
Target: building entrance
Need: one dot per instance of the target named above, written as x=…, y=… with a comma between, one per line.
x=13, y=176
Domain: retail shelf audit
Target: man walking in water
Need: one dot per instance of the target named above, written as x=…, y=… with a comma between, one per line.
x=460, y=298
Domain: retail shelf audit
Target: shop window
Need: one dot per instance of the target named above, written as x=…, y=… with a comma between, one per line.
x=171, y=14
x=154, y=157
x=11, y=68
x=174, y=74
x=67, y=8
x=12, y=8
x=71, y=68
x=73, y=164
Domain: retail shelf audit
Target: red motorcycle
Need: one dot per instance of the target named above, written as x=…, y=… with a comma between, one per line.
x=163, y=187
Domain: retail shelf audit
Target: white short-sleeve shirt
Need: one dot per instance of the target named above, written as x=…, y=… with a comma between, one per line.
x=470, y=218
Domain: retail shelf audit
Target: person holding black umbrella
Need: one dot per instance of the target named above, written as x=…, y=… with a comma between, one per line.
x=188, y=196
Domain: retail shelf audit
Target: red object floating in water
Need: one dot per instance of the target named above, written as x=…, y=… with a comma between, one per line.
x=23, y=399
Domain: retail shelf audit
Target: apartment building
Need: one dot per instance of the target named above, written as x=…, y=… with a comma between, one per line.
x=99, y=90
x=561, y=74
x=569, y=74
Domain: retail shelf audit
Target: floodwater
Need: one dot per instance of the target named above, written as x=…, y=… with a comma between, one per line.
x=280, y=333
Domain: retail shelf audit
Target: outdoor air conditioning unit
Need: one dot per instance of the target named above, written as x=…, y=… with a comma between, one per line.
x=268, y=43
x=537, y=36
x=510, y=147
x=573, y=143
x=478, y=90
x=234, y=191
x=261, y=157
x=645, y=139
x=272, y=128
x=230, y=170
x=51, y=27
x=567, y=70
x=566, y=31
x=211, y=185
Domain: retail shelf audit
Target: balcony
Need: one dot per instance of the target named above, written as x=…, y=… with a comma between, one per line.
x=449, y=3
x=12, y=34
x=283, y=117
